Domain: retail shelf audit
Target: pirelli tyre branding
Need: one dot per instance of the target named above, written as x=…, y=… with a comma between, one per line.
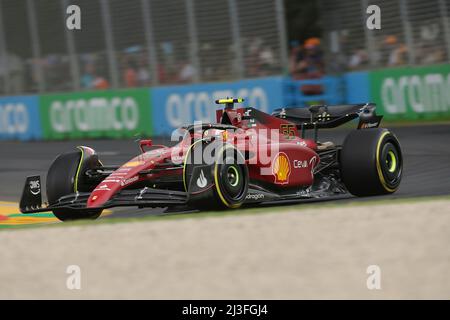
x=412, y=93
x=103, y=114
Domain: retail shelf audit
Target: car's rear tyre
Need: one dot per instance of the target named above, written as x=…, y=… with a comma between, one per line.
x=229, y=175
x=64, y=178
x=371, y=162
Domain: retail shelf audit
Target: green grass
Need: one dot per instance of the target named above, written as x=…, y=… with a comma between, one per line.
x=321, y=205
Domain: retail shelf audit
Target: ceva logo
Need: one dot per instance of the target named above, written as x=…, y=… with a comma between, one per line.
x=14, y=118
x=96, y=114
x=182, y=109
x=424, y=93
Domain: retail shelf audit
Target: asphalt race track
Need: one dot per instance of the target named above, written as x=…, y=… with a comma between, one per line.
x=425, y=148
x=294, y=252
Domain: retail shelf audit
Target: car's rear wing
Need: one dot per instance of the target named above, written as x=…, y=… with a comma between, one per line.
x=323, y=116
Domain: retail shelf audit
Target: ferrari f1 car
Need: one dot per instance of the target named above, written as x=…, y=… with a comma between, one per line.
x=246, y=158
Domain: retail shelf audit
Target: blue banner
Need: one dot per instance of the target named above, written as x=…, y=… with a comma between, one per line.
x=176, y=106
x=19, y=118
x=357, y=87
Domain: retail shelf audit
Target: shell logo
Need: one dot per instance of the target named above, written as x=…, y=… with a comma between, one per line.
x=281, y=168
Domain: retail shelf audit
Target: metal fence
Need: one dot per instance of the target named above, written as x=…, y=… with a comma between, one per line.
x=413, y=32
x=135, y=43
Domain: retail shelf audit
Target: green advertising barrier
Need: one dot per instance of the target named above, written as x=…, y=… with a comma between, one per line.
x=412, y=93
x=96, y=114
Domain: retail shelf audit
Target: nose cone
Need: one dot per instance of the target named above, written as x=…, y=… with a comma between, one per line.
x=123, y=177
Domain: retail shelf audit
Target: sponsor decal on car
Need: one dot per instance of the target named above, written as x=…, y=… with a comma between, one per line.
x=312, y=164
x=35, y=187
x=367, y=125
x=103, y=187
x=201, y=181
x=129, y=181
x=118, y=175
x=112, y=180
x=281, y=168
x=132, y=164
x=300, y=164
x=255, y=196
x=288, y=131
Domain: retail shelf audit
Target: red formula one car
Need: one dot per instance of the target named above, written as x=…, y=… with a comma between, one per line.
x=247, y=157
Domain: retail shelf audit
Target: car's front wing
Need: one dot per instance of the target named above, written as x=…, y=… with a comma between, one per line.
x=31, y=201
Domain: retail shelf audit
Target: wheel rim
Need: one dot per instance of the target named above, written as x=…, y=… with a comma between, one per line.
x=233, y=176
x=232, y=181
x=391, y=164
x=391, y=161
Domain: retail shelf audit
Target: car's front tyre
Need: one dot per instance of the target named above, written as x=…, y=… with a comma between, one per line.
x=226, y=180
x=65, y=177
